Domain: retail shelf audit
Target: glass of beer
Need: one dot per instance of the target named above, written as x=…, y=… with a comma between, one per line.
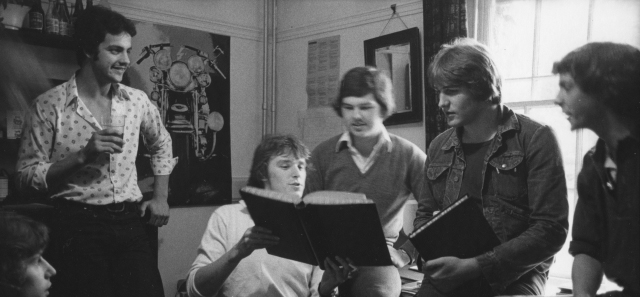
x=115, y=122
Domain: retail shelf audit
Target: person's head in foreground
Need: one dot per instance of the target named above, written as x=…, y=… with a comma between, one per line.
x=467, y=79
x=599, y=78
x=364, y=101
x=280, y=164
x=23, y=271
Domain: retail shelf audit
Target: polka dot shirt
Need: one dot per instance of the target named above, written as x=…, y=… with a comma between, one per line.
x=60, y=124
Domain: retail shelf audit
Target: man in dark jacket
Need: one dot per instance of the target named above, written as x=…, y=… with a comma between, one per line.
x=509, y=164
x=600, y=91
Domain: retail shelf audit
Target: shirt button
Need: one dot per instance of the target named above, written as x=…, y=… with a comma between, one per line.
x=113, y=171
x=455, y=178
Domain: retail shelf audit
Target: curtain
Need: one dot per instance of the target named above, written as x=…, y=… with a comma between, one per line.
x=444, y=20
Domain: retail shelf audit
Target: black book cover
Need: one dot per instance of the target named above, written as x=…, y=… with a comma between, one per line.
x=461, y=231
x=322, y=224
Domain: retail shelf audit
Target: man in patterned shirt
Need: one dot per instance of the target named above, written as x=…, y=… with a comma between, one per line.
x=89, y=170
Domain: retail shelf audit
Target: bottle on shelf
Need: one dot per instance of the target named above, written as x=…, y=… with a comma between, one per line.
x=77, y=10
x=36, y=16
x=67, y=17
x=52, y=19
x=64, y=18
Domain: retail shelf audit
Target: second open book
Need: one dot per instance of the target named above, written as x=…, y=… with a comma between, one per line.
x=322, y=224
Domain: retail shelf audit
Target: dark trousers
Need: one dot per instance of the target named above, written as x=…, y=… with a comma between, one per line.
x=104, y=254
x=531, y=283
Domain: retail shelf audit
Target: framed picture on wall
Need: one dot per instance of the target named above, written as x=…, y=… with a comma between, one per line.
x=185, y=74
x=399, y=56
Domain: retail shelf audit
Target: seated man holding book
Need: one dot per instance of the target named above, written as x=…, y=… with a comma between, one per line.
x=512, y=167
x=232, y=260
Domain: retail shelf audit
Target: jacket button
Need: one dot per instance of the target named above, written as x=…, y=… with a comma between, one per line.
x=455, y=178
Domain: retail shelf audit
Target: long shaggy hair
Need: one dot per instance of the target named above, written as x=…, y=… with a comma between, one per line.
x=272, y=146
x=468, y=63
x=608, y=72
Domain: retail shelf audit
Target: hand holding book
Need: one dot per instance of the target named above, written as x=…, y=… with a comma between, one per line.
x=337, y=271
x=255, y=238
x=321, y=225
x=448, y=273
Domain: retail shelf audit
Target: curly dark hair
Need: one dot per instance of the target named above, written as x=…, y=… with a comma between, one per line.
x=20, y=239
x=607, y=71
x=92, y=27
x=271, y=146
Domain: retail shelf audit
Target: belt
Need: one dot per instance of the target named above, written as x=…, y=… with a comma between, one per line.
x=112, y=207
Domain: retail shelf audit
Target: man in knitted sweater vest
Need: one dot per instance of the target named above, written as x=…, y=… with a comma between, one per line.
x=367, y=159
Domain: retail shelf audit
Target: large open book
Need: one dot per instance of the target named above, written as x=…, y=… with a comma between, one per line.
x=461, y=231
x=322, y=224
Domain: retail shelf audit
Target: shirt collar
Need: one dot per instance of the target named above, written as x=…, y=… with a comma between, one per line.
x=345, y=140
x=72, y=91
x=508, y=121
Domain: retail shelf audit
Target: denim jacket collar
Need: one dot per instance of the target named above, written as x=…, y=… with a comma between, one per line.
x=508, y=121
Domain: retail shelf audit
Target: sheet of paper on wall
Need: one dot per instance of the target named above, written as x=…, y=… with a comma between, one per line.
x=323, y=71
x=317, y=125
x=15, y=119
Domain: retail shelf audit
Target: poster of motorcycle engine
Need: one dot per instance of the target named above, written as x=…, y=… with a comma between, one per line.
x=185, y=74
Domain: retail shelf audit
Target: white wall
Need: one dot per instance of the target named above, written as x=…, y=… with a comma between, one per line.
x=355, y=21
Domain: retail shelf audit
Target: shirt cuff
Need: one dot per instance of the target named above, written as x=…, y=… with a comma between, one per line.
x=39, y=176
x=581, y=247
x=191, y=284
x=487, y=262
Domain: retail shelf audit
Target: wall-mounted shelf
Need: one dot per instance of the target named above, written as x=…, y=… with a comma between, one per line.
x=39, y=39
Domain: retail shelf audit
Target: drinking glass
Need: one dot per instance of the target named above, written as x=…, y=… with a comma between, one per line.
x=115, y=122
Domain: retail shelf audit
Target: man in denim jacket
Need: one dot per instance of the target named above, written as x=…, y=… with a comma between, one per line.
x=510, y=165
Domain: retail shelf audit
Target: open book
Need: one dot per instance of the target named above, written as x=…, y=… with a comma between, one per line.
x=461, y=231
x=322, y=224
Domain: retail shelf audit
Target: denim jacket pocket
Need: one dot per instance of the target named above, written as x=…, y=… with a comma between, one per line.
x=509, y=175
x=437, y=177
x=435, y=170
x=515, y=218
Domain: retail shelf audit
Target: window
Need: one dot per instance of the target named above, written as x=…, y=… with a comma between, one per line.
x=527, y=36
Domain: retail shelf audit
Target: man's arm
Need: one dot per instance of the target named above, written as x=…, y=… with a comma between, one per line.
x=35, y=170
x=587, y=232
x=103, y=141
x=209, y=279
x=158, y=205
x=586, y=275
x=547, y=221
x=426, y=200
x=158, y=142
x=219, y=254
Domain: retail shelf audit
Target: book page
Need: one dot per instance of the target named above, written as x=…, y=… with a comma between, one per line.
x=273, y=195
x=335, y=198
